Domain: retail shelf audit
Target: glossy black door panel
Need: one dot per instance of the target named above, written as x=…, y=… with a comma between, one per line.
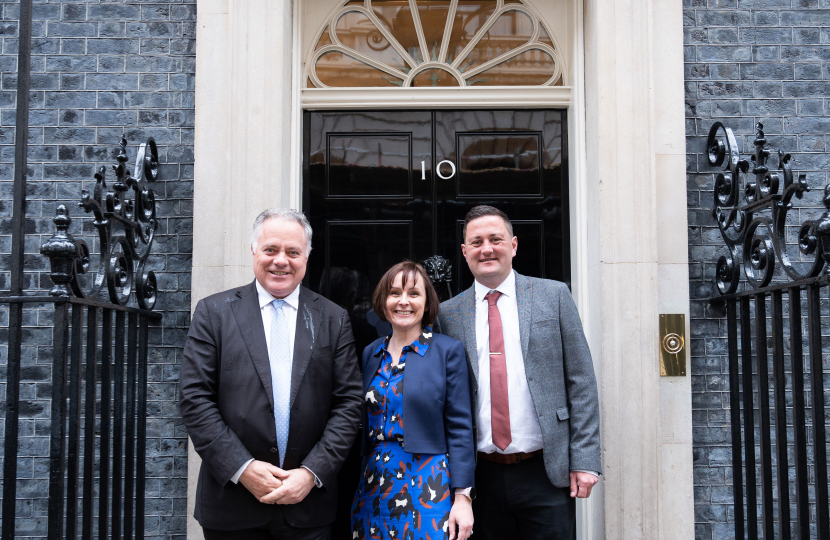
x=515, y=161
x=487, y=159
x=383, y=186
x=369, y=165
x=367, y=203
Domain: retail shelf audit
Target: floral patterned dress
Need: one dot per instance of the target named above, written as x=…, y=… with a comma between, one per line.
x=400, y=495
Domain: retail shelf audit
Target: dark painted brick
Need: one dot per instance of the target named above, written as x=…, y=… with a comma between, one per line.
x=73, y=12
x=112, y=81
x=113, y=46
x=812, y=17
x=70, y=63
x=765, y=53
x=64, y=100
x=153, y=64
x=763, y=107
x=762, y=35
x=42, y=12
x=807, y=72
x=723, y=35
x=73, y=46
x=112, y=29
x=806, y=89
x=154, y=81
x=798, y=53
x=765, y=18
x=71, y=29
x=766, y=71
x=722, y=18
x=117, y=12
x=111, y=64
x=155, y=46
x=807, y=35
x=110, y=118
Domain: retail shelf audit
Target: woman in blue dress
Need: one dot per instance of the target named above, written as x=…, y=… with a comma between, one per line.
x=418, y=447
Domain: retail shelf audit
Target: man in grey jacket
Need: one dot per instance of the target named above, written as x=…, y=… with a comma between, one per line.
x=534, y=391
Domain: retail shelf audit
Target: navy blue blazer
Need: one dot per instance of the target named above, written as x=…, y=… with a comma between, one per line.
x=436, y=405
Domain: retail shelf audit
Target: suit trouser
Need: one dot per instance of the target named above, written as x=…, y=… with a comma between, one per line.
x=277, y=529
x=518, y=502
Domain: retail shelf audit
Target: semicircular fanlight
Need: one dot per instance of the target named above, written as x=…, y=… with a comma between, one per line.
x=417, y=43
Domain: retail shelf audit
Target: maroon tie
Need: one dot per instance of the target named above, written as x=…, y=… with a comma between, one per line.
x=499, y=405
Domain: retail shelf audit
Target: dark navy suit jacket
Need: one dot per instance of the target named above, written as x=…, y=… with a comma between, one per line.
x=436, y=405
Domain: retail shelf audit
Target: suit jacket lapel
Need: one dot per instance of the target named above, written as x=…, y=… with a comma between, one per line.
x=468, y=313
x=249, y=320
x=305, y=336
x=524, y=300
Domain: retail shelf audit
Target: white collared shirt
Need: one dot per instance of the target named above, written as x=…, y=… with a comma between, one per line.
x=289, y=309
x=524, y=425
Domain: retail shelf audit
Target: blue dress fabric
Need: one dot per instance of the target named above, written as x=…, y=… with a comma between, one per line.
x=401, y=496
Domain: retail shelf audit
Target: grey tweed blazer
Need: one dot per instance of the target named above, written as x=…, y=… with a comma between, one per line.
x=558, y=365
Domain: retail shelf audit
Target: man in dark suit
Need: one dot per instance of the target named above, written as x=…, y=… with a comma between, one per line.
x=270, y=395
x=534, y=392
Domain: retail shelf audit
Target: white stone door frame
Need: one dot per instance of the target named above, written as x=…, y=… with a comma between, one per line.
x=628, y=228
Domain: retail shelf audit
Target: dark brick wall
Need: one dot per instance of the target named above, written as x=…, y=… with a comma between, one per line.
x=100, y=70
x=746, y=61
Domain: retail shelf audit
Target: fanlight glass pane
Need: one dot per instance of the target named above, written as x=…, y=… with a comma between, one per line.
x=341, y=70
x=324, y=39
x=434, y=77
x=510, y=31
x=470, y=16
x=397, y=17
x=433, y=14
x=387, y=36
x=531, y=68
x=544, y=37
x=357, y=32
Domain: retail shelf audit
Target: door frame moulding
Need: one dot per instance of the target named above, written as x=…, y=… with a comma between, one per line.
x=493, y=97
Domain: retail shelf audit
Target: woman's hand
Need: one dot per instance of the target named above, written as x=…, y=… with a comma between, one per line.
x=461, y=516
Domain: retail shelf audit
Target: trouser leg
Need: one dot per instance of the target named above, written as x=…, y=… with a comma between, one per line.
x=491, y=512
x=518, y=502
x=543, y=511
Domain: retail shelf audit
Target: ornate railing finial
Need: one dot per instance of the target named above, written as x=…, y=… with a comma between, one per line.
x=126, y=228
x=62, y=252
x=761, y=237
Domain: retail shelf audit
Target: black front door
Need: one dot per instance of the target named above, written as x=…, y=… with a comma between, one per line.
x=380, y=187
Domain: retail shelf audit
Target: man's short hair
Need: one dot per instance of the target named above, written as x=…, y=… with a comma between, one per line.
x=484, y=210
x=286, y=214
x=410, y=270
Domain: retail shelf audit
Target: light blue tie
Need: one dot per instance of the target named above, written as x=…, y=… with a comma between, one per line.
x=280, y=361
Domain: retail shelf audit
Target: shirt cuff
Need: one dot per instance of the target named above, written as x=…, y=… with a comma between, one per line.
x=235, y=478
x=595, y=473
x=317, y=482
x=464, y=491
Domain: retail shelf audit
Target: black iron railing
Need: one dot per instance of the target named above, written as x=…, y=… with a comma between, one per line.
x=99, y=353
x=768, y=370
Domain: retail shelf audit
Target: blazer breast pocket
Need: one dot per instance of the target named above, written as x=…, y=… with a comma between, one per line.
x=321, y=351
x=545, y=323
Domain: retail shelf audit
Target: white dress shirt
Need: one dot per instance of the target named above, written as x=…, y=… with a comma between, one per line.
x=524, y=425
x=268, y=311
x=525, y=431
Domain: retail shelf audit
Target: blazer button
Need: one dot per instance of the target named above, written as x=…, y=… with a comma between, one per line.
x=274, y=450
